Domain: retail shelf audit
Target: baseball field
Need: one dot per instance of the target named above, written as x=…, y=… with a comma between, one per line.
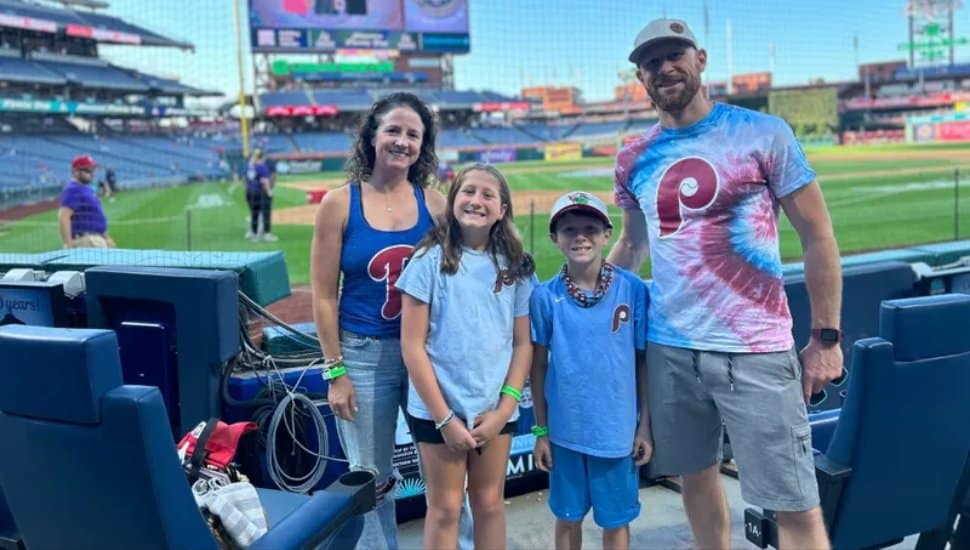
x=880, y=197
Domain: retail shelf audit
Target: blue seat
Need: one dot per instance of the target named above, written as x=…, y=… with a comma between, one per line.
x=9, y=538
x=864, y=287
x=91, y=463
x=961, y=533
x=898, y=463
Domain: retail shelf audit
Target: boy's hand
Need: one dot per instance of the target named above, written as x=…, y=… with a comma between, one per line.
x=543, y=454
x=642, y=447
x=487, y=426
x=457, y=437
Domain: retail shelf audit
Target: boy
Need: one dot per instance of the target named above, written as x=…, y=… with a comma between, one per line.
x=588, y=378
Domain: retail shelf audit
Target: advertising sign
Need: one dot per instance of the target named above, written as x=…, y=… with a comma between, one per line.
x=496, y=156
x=564, y=151
x=954, y=131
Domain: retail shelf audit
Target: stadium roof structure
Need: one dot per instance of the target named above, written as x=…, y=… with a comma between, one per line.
x=82, y=24
x=16, y=69
x=168, y=86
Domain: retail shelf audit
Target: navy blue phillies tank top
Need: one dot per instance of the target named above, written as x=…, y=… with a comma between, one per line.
x=371, y=260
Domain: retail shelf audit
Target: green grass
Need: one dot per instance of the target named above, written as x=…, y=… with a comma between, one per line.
x=909, y=200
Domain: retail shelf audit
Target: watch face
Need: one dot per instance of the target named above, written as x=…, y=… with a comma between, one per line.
x=828, y=335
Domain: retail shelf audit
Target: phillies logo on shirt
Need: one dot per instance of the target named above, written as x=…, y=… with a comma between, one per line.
x=621, y=315
x=386, y=266
x=690, y=183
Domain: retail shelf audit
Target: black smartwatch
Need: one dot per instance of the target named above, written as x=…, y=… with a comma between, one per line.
x=827, y=335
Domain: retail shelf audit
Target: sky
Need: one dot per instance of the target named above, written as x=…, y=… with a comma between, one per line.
x=582, y=43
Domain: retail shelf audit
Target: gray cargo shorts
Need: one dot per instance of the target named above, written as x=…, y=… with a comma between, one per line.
x=694, y=395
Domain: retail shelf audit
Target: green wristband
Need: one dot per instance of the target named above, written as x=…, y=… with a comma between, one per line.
x=540, y=431
x=335, y=371
x=512, y=392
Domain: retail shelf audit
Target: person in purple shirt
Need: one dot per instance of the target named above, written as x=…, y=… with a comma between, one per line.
x=259, y=197
x=81, y=220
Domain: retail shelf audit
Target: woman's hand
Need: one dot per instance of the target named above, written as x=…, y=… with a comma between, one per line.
x=457, y=437
x=342, y=399
x=488, y=426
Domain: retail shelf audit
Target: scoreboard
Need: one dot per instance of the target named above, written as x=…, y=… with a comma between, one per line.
x=310, y=26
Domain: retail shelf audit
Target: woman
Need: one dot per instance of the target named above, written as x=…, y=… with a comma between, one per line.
x=371, y=225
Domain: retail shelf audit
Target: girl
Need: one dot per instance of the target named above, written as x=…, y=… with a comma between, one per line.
x=466, y=346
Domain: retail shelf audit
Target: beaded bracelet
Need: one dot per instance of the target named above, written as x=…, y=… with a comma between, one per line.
x=444, y=421
x=512, y=392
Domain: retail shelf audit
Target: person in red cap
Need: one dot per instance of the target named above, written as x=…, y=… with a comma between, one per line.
x=81, y=220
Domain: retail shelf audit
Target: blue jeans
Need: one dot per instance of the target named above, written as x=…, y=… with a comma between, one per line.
x=376, y=370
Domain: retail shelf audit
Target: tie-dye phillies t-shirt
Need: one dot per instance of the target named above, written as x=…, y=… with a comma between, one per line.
x=710, y=196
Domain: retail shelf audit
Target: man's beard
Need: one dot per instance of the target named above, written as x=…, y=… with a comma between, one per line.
x=677, y=102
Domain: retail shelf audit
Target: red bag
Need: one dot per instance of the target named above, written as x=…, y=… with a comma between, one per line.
x=219, y=441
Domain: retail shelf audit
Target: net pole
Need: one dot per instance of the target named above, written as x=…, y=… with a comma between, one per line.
x=532, y=227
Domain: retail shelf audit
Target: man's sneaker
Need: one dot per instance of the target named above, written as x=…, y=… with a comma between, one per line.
x=249, y=235
x=269, y=238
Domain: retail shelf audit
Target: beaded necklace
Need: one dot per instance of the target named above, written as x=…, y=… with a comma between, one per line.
x=603, y=281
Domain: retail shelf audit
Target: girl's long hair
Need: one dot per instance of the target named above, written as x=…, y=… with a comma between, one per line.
x=503, y=242
x=360, y=165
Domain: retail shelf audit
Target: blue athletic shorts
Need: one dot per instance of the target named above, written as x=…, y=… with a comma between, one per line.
x=579, y=481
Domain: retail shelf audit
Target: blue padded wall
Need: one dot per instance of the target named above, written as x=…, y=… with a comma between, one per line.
x=206, y=323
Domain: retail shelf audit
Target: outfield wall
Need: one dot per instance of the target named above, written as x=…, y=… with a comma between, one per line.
x=305, y=163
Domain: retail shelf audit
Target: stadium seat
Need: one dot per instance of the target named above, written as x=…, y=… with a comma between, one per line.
x=91, y=463
x=864, y=287
x=897, y=464
x=961, y=533
x=9, y=537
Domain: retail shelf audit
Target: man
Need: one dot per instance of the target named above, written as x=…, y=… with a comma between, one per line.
x=259, y=197
x=81, y=220
x=110, y=184
x=702, y=188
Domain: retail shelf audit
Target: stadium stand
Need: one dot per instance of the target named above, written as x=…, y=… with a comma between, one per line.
x=57, y=93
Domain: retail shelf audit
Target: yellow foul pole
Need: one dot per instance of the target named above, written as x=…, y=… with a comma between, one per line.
x=243, y=120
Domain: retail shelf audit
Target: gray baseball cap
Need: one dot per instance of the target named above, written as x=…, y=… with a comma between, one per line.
x=661, y=29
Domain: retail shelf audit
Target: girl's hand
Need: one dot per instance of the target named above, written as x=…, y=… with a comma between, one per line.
x=487, y=426
x=342, y=399
x=642, y=447
x=457, y=437
x=543, y=454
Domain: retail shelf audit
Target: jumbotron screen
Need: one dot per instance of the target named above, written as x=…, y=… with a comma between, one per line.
x=328, y=25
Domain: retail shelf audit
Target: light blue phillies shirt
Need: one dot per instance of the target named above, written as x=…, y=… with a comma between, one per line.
x=591, y=384
x=471, y=318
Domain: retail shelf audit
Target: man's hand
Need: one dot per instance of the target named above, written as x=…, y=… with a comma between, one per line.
x=821, y=363
x=543, y=454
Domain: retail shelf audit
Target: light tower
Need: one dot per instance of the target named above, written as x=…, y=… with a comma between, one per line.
x=931, y=37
